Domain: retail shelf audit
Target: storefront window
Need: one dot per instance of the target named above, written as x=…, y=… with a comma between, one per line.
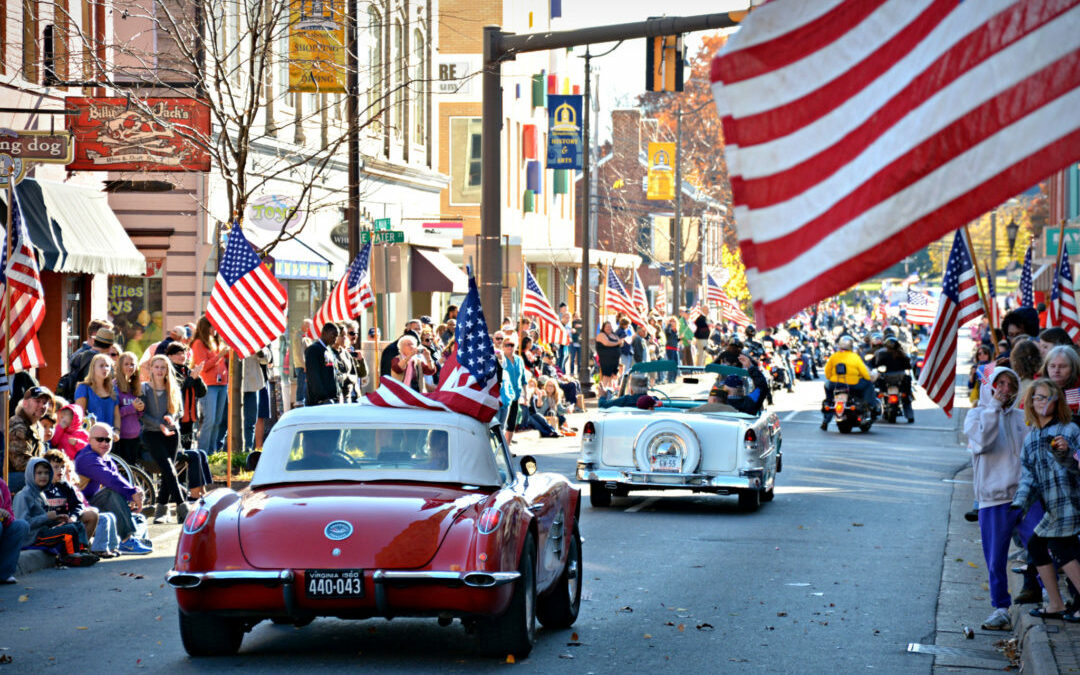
x=135, y=308
x=305, y=297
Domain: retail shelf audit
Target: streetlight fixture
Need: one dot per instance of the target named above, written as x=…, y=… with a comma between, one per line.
x=1011, y=230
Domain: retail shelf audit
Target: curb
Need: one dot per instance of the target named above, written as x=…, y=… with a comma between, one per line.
x=1036, y=657
x=32, y=561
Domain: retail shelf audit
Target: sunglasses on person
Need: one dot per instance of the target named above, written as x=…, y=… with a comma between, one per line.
x=101, y=439
x=353, y=333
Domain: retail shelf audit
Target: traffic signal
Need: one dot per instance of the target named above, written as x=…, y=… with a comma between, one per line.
x=664, y=58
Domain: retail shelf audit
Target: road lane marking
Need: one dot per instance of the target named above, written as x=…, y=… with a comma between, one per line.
x=637, y=507
x=913, y=427
x=791, y=415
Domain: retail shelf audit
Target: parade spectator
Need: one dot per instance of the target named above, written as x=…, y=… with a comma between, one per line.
x=701, y=336
x=1062, y=367
x=514, y=380
x=320, y=362
x=1020, y=321
x=128, y=447
x=254, y=381
x=573, y=361
x=608, y=351
x=983, y=356
x=412, y=364
x=534, y=419
x=49, y=529
x=211, y=353
x=97, y=393
x=386, y=359
x=161, y=434
x=550, y=405
x=26, y=433
x=13, y=533
x=68, y=434
x=300, y=343
x=1026, y=361
x=177, y=334
x=639, y=345
x=359, y=363
x=79, y=371
x=64, y=497
x=1052, y=337
x=192, y=388
x=625, y=333
x=1046, y=481
x=88, y=345
x=995, y=430
x=108, y=490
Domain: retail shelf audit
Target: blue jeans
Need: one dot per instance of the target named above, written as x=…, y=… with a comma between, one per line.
x=105, y=537
x=301, y=385
x=573, y=359
x=251, y=413
x=108, y=501
x=12, y=535
x=996, y=525
x=214, y=405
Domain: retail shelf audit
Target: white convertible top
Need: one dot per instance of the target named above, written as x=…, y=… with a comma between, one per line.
x=471, y=460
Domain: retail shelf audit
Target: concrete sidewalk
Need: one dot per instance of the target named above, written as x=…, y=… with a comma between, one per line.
x=1037, y=646
x=162, y=536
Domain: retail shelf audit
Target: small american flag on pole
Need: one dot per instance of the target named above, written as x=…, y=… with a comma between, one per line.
x=535, y=303
x=27, y=299
x=959, y=304
x=641, y=301
x=350, y=296
x=660, y=304
x=920, y=308
x=619, y=301
x=248, y=304
x=714, y=292
x=1027, y=287
x=1063, y=298
x=1072, y=397
x=469, y=382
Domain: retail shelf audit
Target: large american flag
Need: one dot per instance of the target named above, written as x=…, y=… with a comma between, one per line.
x=350, y=296
x=959, y=304
x=535, y=303
x=1027, y=287
x=469, y=381
x=858, y=132
x=641, y=301
x=618, y=300
x=248, y=304
x=27, y=299
x=1063, y=298
x=920, y=308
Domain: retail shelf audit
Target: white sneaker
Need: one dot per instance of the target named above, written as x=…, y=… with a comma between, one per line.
x=998, y=620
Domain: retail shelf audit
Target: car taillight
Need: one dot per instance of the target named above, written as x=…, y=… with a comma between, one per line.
x=749, y=439
x=489, y=521
x=588, y=432
x=196, y=520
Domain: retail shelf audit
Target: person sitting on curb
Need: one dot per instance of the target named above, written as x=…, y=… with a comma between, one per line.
x=48, y=528
x=65, y=499
x=108, y=490
x=13, y=533
x=26, y=434
x=995, y=429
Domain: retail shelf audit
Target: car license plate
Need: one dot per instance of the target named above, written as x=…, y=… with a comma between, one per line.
x=334, y=583
x=667, y=463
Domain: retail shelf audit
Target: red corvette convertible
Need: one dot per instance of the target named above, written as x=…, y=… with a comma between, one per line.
x=359, y=511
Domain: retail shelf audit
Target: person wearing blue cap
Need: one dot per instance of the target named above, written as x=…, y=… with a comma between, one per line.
x=735, y=387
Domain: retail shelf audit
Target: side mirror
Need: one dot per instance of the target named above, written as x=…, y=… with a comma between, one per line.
x=528, y=465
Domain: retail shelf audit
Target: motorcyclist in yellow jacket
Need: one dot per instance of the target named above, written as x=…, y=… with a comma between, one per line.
x=857, y=377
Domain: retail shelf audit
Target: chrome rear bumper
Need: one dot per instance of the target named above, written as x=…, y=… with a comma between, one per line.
x=702, y=481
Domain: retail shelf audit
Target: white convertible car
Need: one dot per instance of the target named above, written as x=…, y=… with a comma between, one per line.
x=669, y=447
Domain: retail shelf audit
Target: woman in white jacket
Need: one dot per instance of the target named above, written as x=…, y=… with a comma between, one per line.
x=995, y=429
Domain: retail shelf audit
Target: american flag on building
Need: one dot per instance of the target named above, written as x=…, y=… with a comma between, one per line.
x=27, y=299
x=959, y=304
x=351, y=296
x=1027, y=287
x=535, y=303
x=468, y=382
x=641, y=301
x=618, y=301
x=1063, y=299
x=858, y=132
x=248, y=304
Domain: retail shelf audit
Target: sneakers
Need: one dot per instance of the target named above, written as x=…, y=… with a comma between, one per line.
x=998, y=620
x=9, y=581
x=972, y=516
x=161, y=512
x=134, y=547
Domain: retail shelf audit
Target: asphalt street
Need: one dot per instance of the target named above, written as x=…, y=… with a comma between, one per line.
x=838, y=574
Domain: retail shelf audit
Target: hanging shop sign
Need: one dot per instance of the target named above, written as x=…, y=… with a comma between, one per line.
x=661, y=179
x=564, y=132
x=317, y=46
x=152, y=134
x=275, y=213
x=19, y=148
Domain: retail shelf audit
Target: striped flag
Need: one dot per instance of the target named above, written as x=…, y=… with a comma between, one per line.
x=660, y=304
x=959, y=304
x=27, y=298
x=617, y=300
x=247, y=306
x=350, y=296
x=730, y=311
x=1027, y=287
x=695, y=312
x=714, y=292
x=858, y=132
x=469, y=380
x=1072, y=397
x=535, y=303
x=921, y=308
x=1063, y=299
x=641, y=301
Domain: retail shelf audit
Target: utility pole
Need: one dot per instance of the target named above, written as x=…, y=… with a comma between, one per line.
x=585, y=294
x=676, y=274
x=500, y=46
x=352, y=114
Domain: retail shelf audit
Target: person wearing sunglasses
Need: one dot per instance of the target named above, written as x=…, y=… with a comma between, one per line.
x=108, y=490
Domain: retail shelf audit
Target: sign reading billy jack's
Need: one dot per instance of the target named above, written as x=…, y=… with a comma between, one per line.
x=113, y=134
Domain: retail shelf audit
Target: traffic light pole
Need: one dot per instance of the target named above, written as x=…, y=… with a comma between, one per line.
x=500, y=46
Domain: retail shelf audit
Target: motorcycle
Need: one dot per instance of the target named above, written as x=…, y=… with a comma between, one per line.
x=777, y=374
x=850, y=410
x=892, y=396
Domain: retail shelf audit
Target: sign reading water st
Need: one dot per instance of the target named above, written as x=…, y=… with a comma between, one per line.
x=1052, y=235
x=382, y=237
x=564, y=132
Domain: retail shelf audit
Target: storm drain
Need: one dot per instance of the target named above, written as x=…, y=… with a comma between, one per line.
x=962, y=656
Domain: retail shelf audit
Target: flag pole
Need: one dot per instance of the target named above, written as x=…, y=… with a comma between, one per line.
x=979, y=284
x=5, y=399
x=374, y=368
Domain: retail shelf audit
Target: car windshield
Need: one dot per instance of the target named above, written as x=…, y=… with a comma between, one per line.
x=369, y=448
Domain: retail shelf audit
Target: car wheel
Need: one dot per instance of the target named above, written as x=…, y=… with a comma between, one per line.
x=559, y=608
x=749, y=500
x=770, y=494
x=599, y=496
x=209, y=635
x=514, y=632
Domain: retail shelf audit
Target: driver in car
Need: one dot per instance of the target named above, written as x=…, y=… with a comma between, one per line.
x=639, y=386
x=321, y=452
x=438, y=451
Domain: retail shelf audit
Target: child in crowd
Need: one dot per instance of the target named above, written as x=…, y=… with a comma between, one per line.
x=64, y=498
x=12, y=535
x=131, y=408
x=97, y=394
x=48, y=425
x=68, y=434
x=1045, y=479
x=49, y=529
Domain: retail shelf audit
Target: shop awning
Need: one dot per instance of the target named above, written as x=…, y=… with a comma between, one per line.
x=302, y=257
x=76, y=230
x=432, y=272
x=571, y=255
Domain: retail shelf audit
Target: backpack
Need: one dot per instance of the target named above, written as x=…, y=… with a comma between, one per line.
x=70, y=380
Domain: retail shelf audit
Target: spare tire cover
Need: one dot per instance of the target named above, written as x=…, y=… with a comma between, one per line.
x=667, y=446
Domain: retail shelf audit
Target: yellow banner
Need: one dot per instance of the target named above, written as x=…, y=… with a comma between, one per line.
x=317, y=46
x=661, y=171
